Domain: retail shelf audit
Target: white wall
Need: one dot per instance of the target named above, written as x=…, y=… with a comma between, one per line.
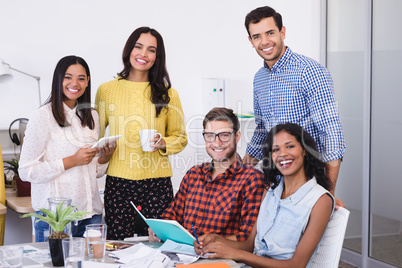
x=203, y=39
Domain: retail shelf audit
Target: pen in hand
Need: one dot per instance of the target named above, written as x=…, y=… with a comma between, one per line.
x=195, y=234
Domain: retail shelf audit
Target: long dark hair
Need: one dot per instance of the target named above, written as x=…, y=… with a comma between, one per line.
x=158, y=74
x=313, y=166
x=84, y=110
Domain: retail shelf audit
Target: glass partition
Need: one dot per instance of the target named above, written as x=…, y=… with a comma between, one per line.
x=345, y=61
x=364, y=55
x=386, y=129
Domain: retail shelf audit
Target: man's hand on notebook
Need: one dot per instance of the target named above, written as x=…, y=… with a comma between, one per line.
x=152, y=237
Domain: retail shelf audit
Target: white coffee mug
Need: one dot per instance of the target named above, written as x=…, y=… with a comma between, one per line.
x=147, y=135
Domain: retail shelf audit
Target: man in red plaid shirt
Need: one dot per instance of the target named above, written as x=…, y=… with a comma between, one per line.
x=222, y=196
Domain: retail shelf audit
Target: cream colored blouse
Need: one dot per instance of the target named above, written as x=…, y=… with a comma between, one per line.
x=45, y=146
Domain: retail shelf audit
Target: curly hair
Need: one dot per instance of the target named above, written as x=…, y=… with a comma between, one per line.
x=313, y=165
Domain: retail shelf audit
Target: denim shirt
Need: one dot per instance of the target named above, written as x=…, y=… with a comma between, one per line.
x=281, y=222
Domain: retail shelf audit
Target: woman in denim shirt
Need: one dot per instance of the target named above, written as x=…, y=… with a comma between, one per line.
x=296, y=209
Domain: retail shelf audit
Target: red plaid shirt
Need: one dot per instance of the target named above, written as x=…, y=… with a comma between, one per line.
x=227, y=205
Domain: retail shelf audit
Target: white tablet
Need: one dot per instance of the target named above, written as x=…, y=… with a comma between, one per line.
x=100, y=143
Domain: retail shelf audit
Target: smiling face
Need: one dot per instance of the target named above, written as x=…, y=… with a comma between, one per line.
x=288, y=155
x=221, y=152
x=143, y=55
x=75, y=82
x=268, y=40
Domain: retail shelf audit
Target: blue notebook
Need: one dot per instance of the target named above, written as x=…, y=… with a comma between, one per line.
x=168, y=229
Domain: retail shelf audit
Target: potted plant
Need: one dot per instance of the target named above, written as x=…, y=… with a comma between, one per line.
x=58, y=220
x=23, y=187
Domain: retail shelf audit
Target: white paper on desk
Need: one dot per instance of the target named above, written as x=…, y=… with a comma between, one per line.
x=118, y=254
x=177, y=258
x=93, y=264
x=141, y=254
x=36, y=254
x=179, y=248
x=157, y=261
x=179, y=253
x=171, y=246
x=29, y=262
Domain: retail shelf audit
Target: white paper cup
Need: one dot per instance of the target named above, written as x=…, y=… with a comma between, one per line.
x=91, y=234
x=146, y=136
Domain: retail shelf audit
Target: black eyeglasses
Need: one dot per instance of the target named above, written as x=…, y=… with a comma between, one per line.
x=223, y=136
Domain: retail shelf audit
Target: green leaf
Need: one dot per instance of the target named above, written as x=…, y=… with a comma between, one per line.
x=49, y=213
x=58, y=210
x=12, y=164
x=75, y=216
x=59, y=219
x=67, y=211
x=32, y=215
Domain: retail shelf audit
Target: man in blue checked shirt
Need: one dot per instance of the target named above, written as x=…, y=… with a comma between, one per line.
x=292, y=88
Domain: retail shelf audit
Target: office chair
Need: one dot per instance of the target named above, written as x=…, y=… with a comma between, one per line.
x=329, y=251
x=2, y=199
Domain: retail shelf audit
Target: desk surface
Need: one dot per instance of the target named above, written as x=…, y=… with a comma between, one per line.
x=45, y=245
x=18, y=204
x=3, y=209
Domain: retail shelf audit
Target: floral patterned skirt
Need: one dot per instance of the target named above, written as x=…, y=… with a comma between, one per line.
x=152, y=196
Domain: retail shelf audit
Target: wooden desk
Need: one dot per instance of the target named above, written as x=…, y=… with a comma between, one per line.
x=19, y=204
x=3, y=209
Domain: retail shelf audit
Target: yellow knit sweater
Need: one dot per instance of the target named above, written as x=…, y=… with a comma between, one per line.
x=126, y=108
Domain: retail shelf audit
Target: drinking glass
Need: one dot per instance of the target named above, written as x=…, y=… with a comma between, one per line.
x=95, y=235
x=73, y=252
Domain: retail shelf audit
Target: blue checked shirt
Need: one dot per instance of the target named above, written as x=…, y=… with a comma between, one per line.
x=299, y=90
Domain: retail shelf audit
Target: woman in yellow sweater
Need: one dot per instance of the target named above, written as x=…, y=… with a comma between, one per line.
x=141, y=97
